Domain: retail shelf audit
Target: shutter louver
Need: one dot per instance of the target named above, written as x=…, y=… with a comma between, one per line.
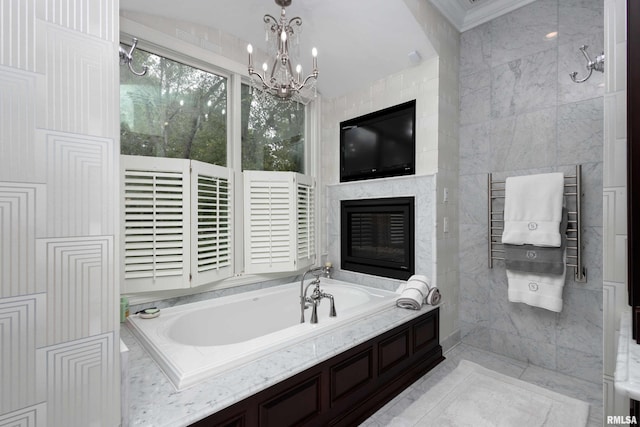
x=279, y=222
x=155, y=235
x=306, y=221
x=212, y=254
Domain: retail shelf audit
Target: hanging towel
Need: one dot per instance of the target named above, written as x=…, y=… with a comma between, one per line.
x=538, y=259
x=533, y=209
x=413, y=293
x=538, y=290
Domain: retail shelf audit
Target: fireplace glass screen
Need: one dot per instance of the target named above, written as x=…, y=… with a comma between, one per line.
x=377, y=236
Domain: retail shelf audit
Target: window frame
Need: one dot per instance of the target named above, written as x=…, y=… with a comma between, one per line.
x=168, y=46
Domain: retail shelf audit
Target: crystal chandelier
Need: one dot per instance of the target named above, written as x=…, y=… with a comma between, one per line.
x=281, y=81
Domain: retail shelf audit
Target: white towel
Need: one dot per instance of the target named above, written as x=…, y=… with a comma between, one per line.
x=413, y=293
x=533, y=209
x=538, y=290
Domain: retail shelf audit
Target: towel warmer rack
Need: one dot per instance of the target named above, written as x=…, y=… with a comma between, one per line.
x=572, y=191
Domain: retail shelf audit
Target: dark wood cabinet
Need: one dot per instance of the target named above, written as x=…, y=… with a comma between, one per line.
x=346, y=389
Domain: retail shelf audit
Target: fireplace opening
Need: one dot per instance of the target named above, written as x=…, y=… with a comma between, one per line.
x=377, y=236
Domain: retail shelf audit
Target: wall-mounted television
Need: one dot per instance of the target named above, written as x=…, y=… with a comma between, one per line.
x=379, y=144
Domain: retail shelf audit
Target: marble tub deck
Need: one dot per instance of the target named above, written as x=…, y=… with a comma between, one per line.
x=569, y=386
x=155, y=402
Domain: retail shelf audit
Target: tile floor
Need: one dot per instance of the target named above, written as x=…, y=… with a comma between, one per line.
x=569, y=386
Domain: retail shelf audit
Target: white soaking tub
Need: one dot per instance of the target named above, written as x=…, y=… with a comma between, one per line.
x=192, y=342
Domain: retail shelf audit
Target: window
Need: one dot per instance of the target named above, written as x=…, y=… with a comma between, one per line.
x=272, y=133
x=180, y=209
x=175, y=111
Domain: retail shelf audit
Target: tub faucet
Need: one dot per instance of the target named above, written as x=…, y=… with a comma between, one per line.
x=316, y=296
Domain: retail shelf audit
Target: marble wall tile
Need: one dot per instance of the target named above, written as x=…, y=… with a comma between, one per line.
x=475, y=301
x=523, y=31
x=580, y=365
x=538, y=353
x=473, y=195
x=475, y=140
x=473, y=253
x=524, y=84
x=592, y=200
x=519, y=319
x=475, y=50
x=525, y=141
x=580, y=321
x=580, y=132
x=476, y=335
x=578, y=19
x=475, y=98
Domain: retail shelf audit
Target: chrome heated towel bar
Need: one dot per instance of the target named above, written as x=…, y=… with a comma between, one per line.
x=573, y=199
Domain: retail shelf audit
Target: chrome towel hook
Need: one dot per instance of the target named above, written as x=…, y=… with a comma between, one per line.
x=127, y=58
x=597, y=65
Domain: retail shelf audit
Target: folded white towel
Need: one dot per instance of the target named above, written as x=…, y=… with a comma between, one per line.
x=413, y=293
x=538, y=290
x=533, y=209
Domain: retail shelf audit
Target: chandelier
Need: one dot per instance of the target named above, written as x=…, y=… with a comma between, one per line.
x=281, y=81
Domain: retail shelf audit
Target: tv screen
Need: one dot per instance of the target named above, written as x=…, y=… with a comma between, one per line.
x=380, y=144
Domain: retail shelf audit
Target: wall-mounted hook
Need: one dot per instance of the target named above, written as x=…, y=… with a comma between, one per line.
x=127, y=58
x=597, y=65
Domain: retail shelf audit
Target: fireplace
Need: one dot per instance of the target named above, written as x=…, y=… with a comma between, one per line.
x=377, y=236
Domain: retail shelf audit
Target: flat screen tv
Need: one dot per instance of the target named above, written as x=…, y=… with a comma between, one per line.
x=379, y=144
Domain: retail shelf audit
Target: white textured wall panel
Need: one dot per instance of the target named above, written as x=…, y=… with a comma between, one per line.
x=17, y=101
x=22, y=213
x=17, y=44
x=96, y=17
x=614, y=234
x=80, y=381
x=33, y=416
x=78, y=275
x=80, y=83
x=80, y=184
x=21, y=332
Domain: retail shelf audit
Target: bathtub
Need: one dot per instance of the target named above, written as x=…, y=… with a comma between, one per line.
x=195, y=341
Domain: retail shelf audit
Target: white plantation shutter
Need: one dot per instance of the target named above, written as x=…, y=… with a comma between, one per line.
x=305, y=221
x=176, y=223
x=279, y=221
x=211, y=194
x=155, y=223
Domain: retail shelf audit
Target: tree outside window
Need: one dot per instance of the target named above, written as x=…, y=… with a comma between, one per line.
x=174, y=111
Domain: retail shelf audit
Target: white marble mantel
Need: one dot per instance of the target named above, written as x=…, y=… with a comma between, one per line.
x=627, y=375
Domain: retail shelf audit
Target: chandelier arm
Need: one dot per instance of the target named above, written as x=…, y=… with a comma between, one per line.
x=261, y=77
x=295, y=21
x=313, y=75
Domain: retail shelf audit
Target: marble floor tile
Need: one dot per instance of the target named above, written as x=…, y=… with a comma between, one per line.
x=569, y=386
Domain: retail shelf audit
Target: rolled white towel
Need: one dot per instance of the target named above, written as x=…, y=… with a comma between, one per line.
x=413, y=293
x=410, y=298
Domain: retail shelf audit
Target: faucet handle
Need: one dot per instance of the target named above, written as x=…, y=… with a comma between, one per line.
x=314, y=312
